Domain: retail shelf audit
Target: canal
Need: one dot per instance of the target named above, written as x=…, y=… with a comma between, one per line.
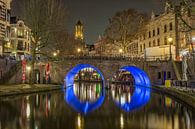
x=88, y=105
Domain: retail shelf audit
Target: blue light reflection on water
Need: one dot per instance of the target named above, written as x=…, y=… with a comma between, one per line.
x=83, y=107
x=140, y=97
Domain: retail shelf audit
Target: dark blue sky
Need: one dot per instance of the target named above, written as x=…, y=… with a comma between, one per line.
x=95, y=13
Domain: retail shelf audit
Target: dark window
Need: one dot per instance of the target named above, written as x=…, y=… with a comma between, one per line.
x=20, y=46
x=169, y=75
x=153, y=33
x=159, y=75
x=144, y=46
x=154, y=43
x=171, y=26
x=158, y=31
x=149, y=44
x=158, y=42
x=165, y=28
x=149, y=34
x=140, y=48
x=165, y=40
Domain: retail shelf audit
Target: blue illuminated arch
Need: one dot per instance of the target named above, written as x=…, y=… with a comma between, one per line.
x=140, y=97
x=71, y=74
x=140, y=77
x=83, y=107
x=71, y=98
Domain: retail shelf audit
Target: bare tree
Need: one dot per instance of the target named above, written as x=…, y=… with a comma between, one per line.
x=66, y=44
x=123, y=28
x=45, y=18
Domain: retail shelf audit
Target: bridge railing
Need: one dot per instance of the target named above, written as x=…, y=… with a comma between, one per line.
x=118, y=57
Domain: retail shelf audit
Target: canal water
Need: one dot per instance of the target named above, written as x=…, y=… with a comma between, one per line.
x=90, y=106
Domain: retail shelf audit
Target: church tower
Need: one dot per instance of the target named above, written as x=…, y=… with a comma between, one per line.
x=79, y=33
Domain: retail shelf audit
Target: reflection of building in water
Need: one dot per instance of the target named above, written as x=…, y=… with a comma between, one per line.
x=87, y=91
x=88, y=74
x=123, y=77
x=122, y=93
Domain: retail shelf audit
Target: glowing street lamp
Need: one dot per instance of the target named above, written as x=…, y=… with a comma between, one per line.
x=170, y=40
x=28, y=68
x=78, y=50
x=120, y=51
x=54, y=54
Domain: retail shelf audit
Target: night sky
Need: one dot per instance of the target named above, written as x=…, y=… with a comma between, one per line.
x=95, y=13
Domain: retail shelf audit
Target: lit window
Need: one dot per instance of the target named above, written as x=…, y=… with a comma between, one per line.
x=20, y=33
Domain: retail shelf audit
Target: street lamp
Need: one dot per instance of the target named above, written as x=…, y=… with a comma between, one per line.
x=120, y=51
x=170, y=40
x=54, y=54
x=78, y=50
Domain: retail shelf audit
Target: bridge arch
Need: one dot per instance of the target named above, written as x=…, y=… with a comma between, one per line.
x=140, y=77
x=69, y=79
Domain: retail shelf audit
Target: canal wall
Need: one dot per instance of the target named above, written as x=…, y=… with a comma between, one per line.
x=181, y=96
x=13, y=90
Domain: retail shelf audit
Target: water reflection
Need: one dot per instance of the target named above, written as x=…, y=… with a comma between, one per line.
x=85, y=97
x=49, y=111
x=129, y=98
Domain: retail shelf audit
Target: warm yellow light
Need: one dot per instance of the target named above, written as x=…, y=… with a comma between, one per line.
x=78, y=50
x=8, y=44
x=28, y=68
x=170, y=39
x=120, y=50
x=54, y=54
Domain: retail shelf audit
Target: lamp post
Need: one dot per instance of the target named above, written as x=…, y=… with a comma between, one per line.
x=170, y=40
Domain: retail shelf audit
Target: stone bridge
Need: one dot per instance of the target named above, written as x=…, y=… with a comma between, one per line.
x=158, y=70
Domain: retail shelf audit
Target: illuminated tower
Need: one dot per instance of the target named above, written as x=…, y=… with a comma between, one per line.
x=79, y=31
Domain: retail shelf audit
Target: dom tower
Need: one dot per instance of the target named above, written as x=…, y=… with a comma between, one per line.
x=79, y=33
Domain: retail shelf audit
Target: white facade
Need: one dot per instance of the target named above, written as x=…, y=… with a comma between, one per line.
x=161, y=28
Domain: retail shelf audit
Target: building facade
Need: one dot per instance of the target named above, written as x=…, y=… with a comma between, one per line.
x=132, y=49
x=4, y=24
x=20, y=40
x=166, y=31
